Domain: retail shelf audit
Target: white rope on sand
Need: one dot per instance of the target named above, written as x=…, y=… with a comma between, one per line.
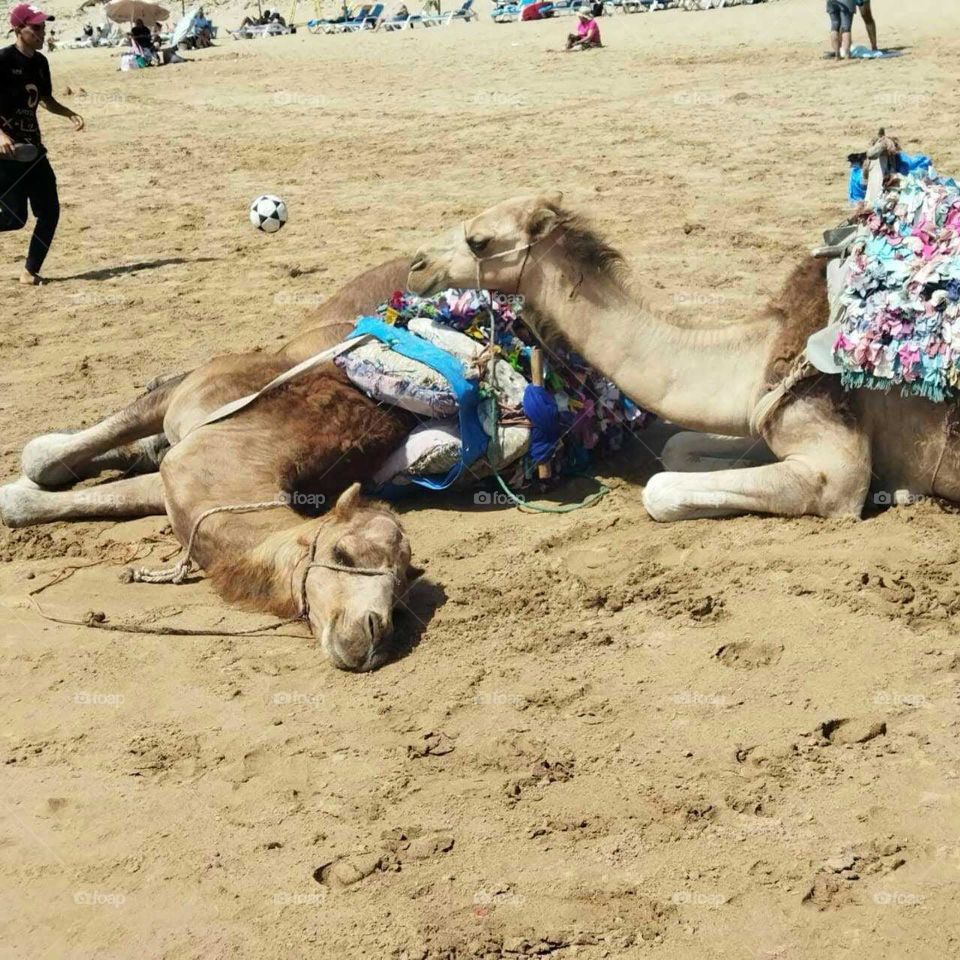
x=181, y=569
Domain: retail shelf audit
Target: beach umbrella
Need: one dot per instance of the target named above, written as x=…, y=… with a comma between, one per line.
x=126, y=11
x=183, y=27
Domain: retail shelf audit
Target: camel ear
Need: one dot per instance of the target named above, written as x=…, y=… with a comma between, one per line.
x=347, y=502
x=542, y=221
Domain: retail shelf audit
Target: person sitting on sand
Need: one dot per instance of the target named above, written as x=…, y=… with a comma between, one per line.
x=841, y=22
x=143, y=40
x=203, y=28
x=588, y=32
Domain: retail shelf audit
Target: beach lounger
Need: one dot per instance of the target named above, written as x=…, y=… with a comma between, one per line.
x=465, y=13
x=506, y=13
x=392, y=24
x=369, y=21
x=335, y=26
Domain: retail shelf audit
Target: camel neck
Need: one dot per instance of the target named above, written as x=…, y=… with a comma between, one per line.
x=699, y=377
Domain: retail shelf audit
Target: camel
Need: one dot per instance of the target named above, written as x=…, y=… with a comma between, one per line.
x=298, y=445
x=830, y=447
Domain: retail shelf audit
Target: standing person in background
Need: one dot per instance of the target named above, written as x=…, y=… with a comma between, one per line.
x=25, y=172
x=868, y=22
x=841, y=22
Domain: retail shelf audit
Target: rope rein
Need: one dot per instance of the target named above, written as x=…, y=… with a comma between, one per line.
x=181, y=569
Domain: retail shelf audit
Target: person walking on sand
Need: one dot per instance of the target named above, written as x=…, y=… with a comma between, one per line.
x=25, y=172
x=841, y=23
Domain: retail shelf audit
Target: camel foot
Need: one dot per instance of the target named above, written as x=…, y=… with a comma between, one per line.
x=42, y=460
x=18, y=503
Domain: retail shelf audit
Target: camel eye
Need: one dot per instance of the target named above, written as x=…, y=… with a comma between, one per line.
x=478, y=244
x=341, y=557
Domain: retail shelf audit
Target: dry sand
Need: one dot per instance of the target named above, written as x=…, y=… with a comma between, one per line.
x=610, y=738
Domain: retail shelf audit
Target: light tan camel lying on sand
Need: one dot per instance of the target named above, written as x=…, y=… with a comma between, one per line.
x=296, y=447
x=831, y=446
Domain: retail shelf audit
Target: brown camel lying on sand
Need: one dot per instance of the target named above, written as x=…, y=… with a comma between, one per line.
x=296, y=448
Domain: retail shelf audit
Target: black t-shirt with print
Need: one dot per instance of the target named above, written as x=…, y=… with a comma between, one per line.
x=23, y=81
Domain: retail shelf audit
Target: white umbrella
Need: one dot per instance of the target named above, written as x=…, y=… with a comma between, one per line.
x=183, y=27
x=126, y=11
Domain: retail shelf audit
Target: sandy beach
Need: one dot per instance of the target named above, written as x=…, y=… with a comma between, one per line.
x=608, y=738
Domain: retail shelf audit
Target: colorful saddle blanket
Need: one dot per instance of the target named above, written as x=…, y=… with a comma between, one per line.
x=900, y=317
x=575, y=413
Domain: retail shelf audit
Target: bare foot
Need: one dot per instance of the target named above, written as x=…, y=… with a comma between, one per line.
x=29, y=279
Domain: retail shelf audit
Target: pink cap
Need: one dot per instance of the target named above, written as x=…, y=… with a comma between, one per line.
x=24, y=14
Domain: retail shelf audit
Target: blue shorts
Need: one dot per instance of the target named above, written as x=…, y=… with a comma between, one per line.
x=841, y=16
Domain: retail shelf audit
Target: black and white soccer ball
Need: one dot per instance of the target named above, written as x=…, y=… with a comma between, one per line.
x=268, y=213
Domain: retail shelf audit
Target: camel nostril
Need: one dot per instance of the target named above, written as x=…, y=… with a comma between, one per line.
x=419, y=263
x=374, y=628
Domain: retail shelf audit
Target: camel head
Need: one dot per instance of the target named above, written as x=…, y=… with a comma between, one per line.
x=359, y=572
x=499, y=243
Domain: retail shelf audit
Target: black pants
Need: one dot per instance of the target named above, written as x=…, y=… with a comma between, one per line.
x=35, y=183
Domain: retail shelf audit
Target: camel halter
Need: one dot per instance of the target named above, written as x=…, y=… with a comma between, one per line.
x=480, y=261
x=339, y=567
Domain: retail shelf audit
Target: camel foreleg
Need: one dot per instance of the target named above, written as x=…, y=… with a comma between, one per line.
x=690, y=452
x=23, y=503
x=825, y=470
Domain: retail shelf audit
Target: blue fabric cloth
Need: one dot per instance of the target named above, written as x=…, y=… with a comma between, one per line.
x=541, y=410
x=473, y=438
x=906, y=163
x=865, y=53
